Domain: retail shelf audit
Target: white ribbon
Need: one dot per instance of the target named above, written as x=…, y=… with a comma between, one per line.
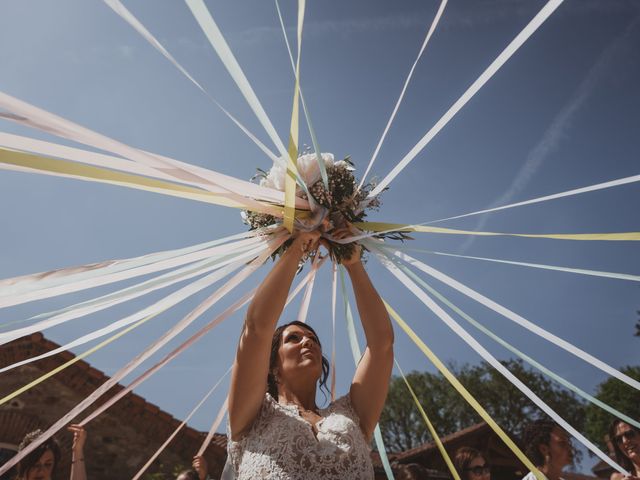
x=142, y=356
x=515, y=44
x=128, y=17
x=568, y=193
x=432, y=28
x=78, y=285
x=154, y=309
x=579, y=271
x=473, y=343
x=219, y=44
x=523, y=322
x=179, y=427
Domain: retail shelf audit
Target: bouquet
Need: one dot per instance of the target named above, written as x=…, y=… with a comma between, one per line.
x=339, y=205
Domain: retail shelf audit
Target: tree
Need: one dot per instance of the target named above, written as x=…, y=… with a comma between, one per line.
x=403, y=427
x=620, y=396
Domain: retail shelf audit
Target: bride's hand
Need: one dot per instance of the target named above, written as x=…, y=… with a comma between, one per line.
x=356, y=253
x=306, y=242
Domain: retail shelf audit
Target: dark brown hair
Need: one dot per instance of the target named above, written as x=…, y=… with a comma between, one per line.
x=622, y=459
x=272, y=385
x=190, y=474
x=463, y=457
x=535, y=434
x=31, y=459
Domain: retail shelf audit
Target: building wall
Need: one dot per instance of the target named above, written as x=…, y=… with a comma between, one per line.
x=119, y=441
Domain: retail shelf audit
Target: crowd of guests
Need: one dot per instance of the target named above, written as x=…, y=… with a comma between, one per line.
x=544, y=442
x=549, y=448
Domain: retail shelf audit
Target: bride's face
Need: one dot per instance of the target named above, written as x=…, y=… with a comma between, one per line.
x=299, y=352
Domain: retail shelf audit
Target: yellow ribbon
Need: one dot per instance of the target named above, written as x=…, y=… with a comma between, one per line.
x=464, y=392
x=104, y=175
x=381, y=227
x=290, y=177
x=430, y=426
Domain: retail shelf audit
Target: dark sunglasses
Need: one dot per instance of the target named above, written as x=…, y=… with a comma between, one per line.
x=479, y=470
x=629, y=435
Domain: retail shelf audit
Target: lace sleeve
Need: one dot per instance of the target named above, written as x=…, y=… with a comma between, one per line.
x=235, y=448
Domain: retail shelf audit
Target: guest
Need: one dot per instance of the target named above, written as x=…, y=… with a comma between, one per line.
x=42, y=463
x=471, y=465
x=200, y=470
x=548, y=446
x=626, y=446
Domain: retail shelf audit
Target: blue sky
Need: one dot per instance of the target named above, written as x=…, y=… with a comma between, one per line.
x=562, y=113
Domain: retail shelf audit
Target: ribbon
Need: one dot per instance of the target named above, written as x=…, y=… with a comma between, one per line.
x=515, y=44
x=182, y=424
x=20, y=284
x=357, y=355
x=79, y=285
x=523, y=322
x=522, y=355
x=312, y=133
x=170, y=356
x=455, y=383
x=223, y=409
x=181, y=325
x=580, y=271
x=186, y=344
x=398, y=272
x=306, y=299
x=432, y=28
x=216, y=423
x=400, y=227
x=289, y=179
x=128, y=17
x=11, y=160
x=568, y=193
x=154, y=309
x=34, y=117
x=47, y=375
x=119, y=296
x=215, y=182
x=219, y=44
x=432, y=430
x=333, y=330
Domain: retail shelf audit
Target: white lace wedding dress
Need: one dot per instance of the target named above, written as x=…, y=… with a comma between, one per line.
x=281, y=445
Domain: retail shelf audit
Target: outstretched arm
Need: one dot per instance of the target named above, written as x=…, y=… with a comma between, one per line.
x=249, y=376
x=78, y=470
x=371, y=380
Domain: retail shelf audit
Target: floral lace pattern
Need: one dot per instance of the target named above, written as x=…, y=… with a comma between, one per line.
x=281, y=445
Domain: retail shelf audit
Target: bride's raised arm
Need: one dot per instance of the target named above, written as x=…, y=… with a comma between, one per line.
x=251, y=366
x=371, y=380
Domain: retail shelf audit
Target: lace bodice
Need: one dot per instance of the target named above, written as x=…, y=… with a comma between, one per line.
x=281, y=445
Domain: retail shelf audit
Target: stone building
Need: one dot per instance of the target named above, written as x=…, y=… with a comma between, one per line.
x=119, y=441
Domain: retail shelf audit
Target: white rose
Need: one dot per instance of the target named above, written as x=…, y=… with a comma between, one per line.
x=275, y=178
x=307, y=168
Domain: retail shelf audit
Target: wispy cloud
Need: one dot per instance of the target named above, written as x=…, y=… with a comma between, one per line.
x=126, y=51
x=554, y=134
